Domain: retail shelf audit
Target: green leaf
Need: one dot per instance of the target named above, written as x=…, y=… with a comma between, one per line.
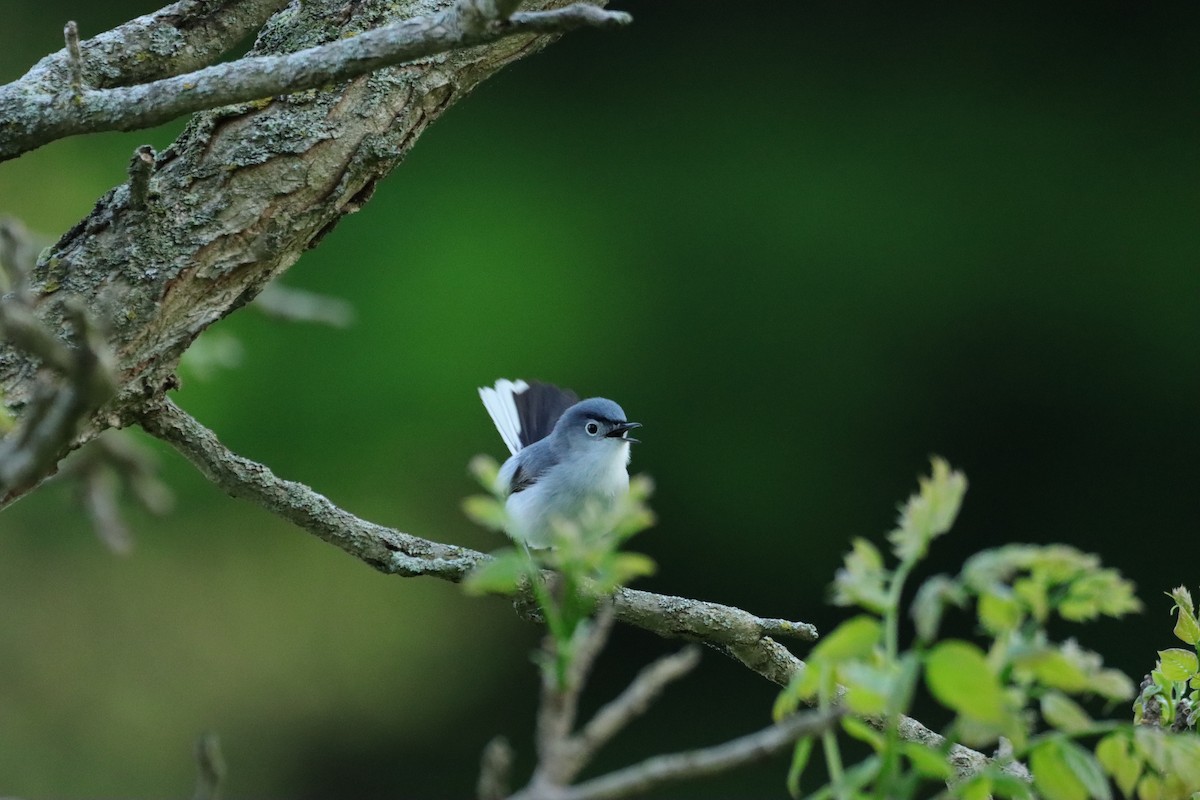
x=501, y=575
x=867, y=687
x=1093, y=593
x=799, y=762
x=1186, y=627
x=1150, y=788
x=1052, y=775
x=1115, y=754
x=929, y=513
x=802, y=686
x=1087, y=769
x=486, y=511
x=1064, y=713
x=977, y=787
x=854, y=638
x=864, y=733
x=932, y=598
x=929, y=763
x=1035, y=595
x=486, y=471
x=1112, y=684
x=959, y=677
x=1007, y=785
x=1176, y=755
x=999, y=612
x=1177, y=664
x=621, y=568
x=1072, y=669
x=860, y=582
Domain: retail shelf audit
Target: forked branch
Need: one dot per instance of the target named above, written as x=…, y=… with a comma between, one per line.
x=33, y=119
x=737, y=633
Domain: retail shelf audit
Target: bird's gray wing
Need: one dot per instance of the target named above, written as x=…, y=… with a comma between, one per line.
x=531, y=464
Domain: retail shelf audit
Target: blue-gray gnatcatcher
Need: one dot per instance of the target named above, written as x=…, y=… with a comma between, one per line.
x=566, y=453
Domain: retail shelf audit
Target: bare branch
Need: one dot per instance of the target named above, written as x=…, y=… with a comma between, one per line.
x=183, y=36
x=577, y=15
x=494, y=770
x=559, y=758
x=659, y=770
x=18, y=253
x=210, y=767
x=102, y=468
x=32, y=120
x=50, y=423
x=290, y=304
x=99, y=497
x=397, y=553
x=74, y=58
x=612, y=718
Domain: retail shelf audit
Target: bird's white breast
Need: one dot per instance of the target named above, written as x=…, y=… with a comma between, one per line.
x=564, y=493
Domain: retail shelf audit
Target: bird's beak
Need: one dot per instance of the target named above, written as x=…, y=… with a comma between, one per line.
x=621, y=428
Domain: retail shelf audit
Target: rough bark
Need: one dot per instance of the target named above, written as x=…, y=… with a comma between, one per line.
x=243, y=191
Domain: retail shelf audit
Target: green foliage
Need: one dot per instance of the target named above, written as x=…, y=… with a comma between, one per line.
x=929, y=513
x=960, y=678
x=1018, y=685
x=1171, y=696
x=585, y=559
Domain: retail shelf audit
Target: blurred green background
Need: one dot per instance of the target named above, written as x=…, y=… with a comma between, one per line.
x=807, y=244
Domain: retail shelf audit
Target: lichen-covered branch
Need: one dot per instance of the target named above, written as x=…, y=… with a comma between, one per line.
x=394, y=552
x=32, y=120
x=204, y=224
x=178, y=38
x=730, y=630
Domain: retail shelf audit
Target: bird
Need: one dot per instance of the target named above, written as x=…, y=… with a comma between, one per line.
x=567, y=454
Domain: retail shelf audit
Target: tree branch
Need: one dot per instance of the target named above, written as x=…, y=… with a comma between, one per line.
x=32, y=449
x=243, y=191
x=34, y=120
x=659, y=770
x=181, y=37
x=732, y=631
x=396, y=553
x=637, y=697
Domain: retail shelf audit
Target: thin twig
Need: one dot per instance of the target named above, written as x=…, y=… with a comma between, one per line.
x=50, y=422
x=32, y=120
x=183, y=36
x=290, y=304
x=659, y=770
x=559, y=705
x=74, y=57
x=495, y=767
x=102, y=468
x=615, y=715
x=17, y=257
x=210, y=767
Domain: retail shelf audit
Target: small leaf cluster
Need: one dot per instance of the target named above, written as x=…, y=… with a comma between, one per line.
x=1170, y=696
x=585, y=560
x=1018, y=688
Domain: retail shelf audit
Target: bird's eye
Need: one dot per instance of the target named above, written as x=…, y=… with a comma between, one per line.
x=592, y=428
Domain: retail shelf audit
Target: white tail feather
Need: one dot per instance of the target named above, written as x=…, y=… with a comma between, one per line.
x=503, y=410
